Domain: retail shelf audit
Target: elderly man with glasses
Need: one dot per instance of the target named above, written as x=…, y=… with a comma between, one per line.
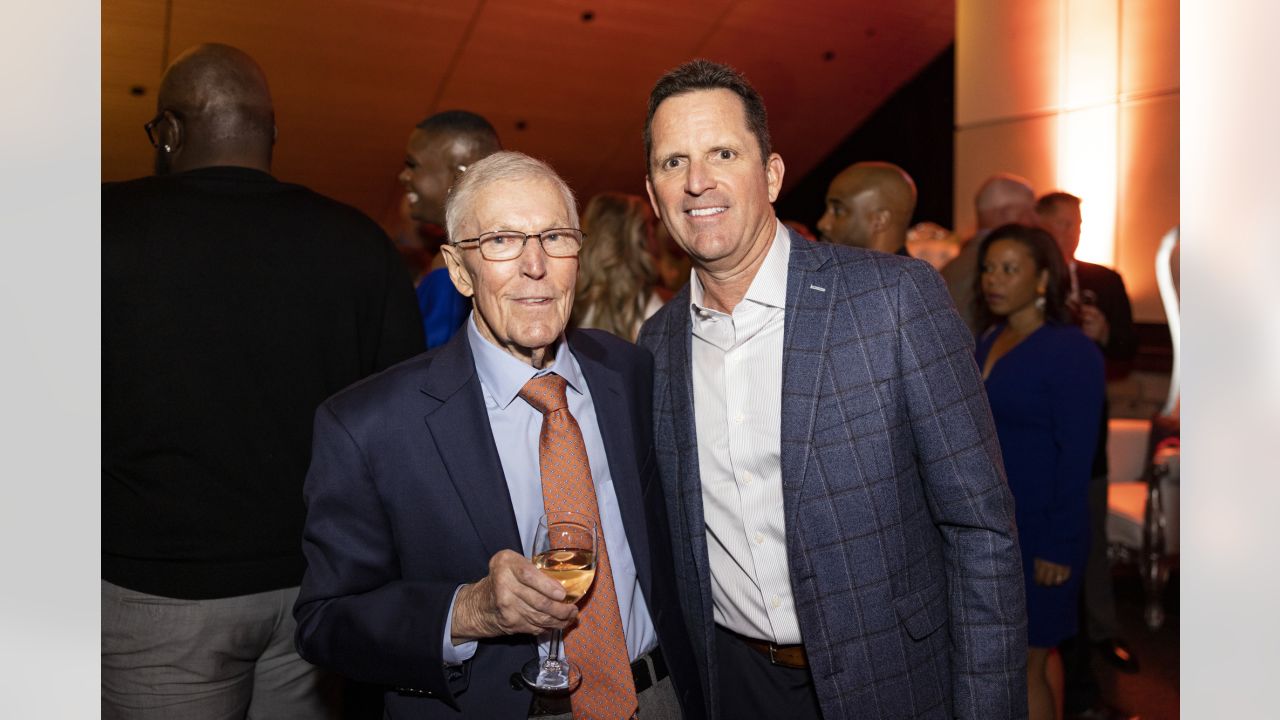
x=428, y=482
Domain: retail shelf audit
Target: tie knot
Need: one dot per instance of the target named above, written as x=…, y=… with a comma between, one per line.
x=546, y=393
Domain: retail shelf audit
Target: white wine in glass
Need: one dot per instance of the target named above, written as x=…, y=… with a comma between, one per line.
x=573, y=568
x=564, y=549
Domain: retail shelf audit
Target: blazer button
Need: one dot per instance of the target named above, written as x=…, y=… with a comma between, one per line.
x=516, y=682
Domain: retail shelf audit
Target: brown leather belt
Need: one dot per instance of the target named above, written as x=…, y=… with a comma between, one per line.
x=792, y=656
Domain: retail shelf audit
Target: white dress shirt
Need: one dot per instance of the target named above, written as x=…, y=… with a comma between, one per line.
x=737, y=400
x=516, y=424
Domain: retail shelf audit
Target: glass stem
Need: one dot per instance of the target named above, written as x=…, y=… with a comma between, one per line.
x=553, y=654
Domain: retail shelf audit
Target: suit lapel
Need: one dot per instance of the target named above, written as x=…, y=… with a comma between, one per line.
x=614, y=418
x=688, y=489
x=811, y=294
x=460, y=427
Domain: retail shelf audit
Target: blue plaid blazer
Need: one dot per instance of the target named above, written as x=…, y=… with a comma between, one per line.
x=900, y=528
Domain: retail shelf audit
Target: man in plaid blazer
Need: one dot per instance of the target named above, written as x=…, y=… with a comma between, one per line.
x=844, y=534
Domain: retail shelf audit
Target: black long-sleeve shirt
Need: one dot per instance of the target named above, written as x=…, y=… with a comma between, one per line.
x=232, y=305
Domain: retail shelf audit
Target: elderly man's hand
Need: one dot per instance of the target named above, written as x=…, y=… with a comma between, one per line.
x=515, y=597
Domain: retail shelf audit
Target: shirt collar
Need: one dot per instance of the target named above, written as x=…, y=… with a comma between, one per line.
x=503, y=375
x=769, y=286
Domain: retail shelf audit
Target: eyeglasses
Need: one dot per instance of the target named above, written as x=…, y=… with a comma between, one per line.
x=509, y=244
x=150, y=127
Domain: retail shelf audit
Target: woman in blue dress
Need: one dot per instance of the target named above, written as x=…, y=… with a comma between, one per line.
x=1045, y=382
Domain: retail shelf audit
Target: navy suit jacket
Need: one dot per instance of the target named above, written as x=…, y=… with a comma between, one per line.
x=406, y=499
x=900, y=529
x=1113, y=301
x=1122, y=343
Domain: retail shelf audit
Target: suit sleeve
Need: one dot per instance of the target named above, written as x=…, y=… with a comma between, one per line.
x=1076, y=388
x=969, y=499
x=1122, y=343
x=355, y=614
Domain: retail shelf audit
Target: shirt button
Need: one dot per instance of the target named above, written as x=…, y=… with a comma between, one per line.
x=776, y=602
x=759, y=538
x=746, y=478
x=739, y=418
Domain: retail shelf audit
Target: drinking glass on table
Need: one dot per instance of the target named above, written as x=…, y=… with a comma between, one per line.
x=565, y=549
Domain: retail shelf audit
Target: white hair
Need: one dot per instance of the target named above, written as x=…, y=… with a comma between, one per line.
x=502, y=166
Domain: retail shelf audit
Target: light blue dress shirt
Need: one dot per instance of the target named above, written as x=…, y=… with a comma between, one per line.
x=516, y=424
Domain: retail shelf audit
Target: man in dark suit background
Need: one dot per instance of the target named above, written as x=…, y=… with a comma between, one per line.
x=1097, y=294
x=1100, y=303
x=425, y=491
x=845, y=533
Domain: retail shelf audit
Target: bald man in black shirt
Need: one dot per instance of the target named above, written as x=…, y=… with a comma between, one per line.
x=233, y=305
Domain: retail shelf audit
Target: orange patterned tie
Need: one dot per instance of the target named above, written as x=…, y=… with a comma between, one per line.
x=596, y=644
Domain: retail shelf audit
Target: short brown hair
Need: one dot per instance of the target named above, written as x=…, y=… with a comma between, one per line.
x=1050, y=201
x=706, y=75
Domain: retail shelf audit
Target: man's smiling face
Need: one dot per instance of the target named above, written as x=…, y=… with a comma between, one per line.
x=521, y=305
x=707, y=180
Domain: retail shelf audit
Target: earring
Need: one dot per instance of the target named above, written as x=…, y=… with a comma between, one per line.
x=167, y=148
x=1040, y=303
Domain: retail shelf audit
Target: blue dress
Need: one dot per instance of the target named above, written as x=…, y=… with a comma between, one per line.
x=1046, y=398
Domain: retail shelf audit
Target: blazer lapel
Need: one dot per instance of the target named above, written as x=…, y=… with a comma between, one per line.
x=614, y=418
x=811, y=293
x=460, y=427
x=688, y=489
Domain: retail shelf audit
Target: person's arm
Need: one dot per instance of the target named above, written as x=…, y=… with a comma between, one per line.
x=963, y=476
x=1109, y=322
x=1122, y=340
x=1076, y=389
x=357, y=616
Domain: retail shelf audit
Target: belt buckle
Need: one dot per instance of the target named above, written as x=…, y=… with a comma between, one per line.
x=773, y=658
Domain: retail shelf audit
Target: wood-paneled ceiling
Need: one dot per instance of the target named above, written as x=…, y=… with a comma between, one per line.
x=564, y=80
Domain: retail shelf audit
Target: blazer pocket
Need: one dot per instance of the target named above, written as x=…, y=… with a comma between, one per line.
x=923, y=611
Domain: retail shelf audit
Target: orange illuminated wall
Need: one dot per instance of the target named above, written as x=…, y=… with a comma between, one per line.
x=1082, y=96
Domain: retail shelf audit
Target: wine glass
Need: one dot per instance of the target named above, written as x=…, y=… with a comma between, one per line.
x=564, y=549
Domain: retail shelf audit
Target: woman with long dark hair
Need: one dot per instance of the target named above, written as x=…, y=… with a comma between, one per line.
x=1045, y=381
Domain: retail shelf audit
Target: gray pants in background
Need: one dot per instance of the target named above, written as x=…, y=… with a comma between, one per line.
x=229, y=658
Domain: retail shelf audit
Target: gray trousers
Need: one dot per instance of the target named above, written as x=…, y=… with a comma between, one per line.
x=225, y=659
